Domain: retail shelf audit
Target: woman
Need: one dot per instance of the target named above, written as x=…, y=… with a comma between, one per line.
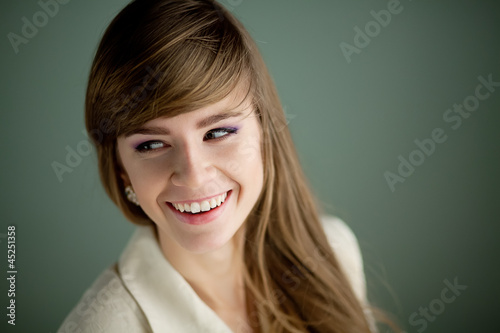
x=193, y=146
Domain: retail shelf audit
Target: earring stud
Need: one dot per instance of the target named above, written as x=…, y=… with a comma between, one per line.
x=131, y=196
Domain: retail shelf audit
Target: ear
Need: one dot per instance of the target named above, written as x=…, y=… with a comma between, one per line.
x=121, y=170
x=124, y=177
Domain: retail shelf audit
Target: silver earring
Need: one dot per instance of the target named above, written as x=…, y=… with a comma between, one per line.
x=131, y=196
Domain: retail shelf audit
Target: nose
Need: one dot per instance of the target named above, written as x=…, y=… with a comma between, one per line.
x=193, y=166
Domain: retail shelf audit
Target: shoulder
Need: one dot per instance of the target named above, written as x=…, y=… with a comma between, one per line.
x=346, y=249
x=106, y=306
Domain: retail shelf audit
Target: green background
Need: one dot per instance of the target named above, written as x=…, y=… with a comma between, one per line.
x=350, y=122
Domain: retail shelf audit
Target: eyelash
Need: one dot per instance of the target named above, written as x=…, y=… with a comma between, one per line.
x=229, y=130
x=145, y=147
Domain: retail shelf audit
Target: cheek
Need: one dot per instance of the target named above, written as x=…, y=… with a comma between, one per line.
x=244, y=157
x=246, y=168
x=148, y=177
x=249, y=151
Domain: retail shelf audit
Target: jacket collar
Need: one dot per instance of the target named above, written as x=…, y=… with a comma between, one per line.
x=167, y=300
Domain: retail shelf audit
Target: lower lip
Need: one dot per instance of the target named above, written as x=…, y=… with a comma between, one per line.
x=202, y=217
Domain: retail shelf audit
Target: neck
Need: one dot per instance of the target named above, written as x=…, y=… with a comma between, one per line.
x=216, y=276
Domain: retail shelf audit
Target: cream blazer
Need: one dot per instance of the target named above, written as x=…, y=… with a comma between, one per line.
x=143, y=293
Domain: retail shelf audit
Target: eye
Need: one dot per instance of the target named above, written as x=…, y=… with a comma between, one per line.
x=149, y=146
x=220, y=133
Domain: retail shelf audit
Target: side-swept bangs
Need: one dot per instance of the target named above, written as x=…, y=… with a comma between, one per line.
x=161, y=61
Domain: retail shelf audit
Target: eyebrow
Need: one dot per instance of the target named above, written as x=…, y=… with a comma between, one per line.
x=216, y=118
x=210, y=120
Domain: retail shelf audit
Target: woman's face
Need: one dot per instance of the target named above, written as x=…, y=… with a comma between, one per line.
x=197, y=175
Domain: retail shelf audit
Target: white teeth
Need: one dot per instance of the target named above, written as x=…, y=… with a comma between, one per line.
x=203, y=206
x=213, y=203
x=195, y=207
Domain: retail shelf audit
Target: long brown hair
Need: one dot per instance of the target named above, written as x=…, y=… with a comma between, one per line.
x=166, y=57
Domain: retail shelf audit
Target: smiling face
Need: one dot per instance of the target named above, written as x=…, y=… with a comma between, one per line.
x=197, y=175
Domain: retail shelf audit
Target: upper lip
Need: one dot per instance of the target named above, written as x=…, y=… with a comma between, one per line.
x=197, y=200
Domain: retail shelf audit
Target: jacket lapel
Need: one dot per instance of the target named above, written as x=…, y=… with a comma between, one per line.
x=167, y=300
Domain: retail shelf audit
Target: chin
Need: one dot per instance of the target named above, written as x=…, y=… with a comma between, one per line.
x=206, y=242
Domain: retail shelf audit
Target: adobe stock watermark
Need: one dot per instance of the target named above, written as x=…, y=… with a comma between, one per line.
x=363, y=37
x=453, y=117
x=30, y=27
x=436, y=307
x=292, y=278
x=126, y=103
x=231, y=4
x=247, y=152
x=109, y=295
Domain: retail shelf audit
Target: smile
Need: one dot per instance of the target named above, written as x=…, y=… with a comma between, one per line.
x=201, y=206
